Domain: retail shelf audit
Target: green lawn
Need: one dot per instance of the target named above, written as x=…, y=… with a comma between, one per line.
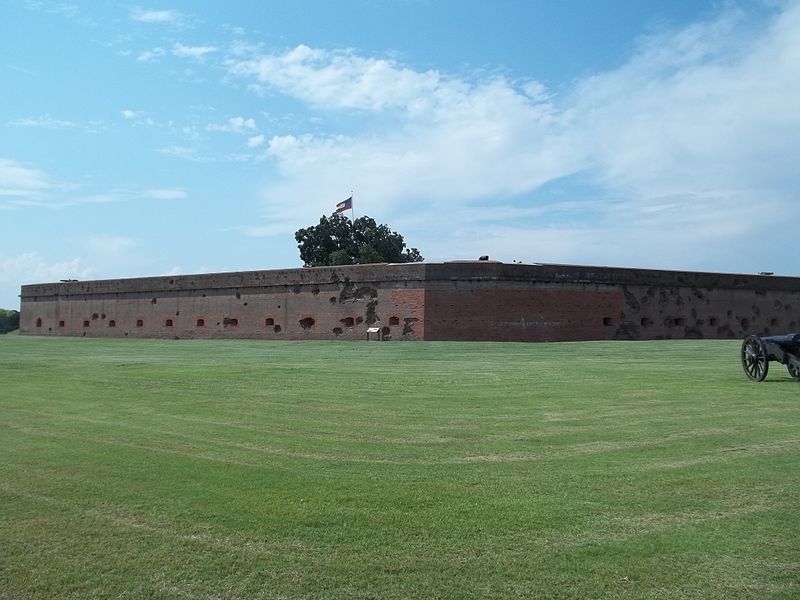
x=245, y=469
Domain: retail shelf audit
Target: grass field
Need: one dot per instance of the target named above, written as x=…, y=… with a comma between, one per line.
x=240, y=469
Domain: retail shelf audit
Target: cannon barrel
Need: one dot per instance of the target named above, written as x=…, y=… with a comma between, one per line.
x=789, y=340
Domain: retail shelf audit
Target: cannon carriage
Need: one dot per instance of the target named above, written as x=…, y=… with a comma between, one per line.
x=758, y=352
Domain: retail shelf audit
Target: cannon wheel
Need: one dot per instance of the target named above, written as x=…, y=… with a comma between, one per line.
x=754, y=358
x=794, y=371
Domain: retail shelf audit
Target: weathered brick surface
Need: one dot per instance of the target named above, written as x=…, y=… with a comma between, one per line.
x=410, y=311
x=539, y=312
x=325, y=303
x=433, y=301
x=496, y=301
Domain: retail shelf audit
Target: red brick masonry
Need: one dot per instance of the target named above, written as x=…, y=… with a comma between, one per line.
x=422, y=301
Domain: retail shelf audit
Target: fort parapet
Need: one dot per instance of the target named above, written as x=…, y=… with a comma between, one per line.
x=476, y=300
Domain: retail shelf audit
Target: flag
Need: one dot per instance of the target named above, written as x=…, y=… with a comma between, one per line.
x=345, y=205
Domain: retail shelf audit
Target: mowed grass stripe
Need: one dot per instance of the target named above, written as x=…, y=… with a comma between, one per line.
x=140, y=468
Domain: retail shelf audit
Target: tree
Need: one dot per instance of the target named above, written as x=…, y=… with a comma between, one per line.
x=9, y=320
x=339, y=241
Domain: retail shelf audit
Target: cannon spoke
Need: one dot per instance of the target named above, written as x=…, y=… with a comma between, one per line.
x=755, y=361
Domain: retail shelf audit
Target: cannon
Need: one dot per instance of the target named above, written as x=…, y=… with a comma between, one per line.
x=757, y=352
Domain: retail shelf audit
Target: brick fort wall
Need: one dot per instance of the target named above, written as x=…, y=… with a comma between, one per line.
x=477, y=300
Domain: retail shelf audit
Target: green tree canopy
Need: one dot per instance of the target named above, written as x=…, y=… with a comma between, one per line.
x=9, y=320
x=339, y=241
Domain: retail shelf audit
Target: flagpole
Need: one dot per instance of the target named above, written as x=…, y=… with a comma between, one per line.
x=352, y=210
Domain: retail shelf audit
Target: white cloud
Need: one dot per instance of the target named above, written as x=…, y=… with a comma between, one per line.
x=234, y=125
x=707, y=110
x=126, y=195
x=690, y=146
x=457, y=140
x=151, y=55
x=99, y=198
x=166, y=194
x=176, y=151
x=24, y=186
x=111, y=256
x=156, y=16
x=139, y=117
x=196, y=52
x=43, y=121
x=29, y=267
x=65, y=9
x=18, y=180
x=475, y=141
x=255, y=141
x=341, y=79
x=235, y=30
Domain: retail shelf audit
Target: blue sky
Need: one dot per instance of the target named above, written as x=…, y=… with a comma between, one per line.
x=183, y=137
